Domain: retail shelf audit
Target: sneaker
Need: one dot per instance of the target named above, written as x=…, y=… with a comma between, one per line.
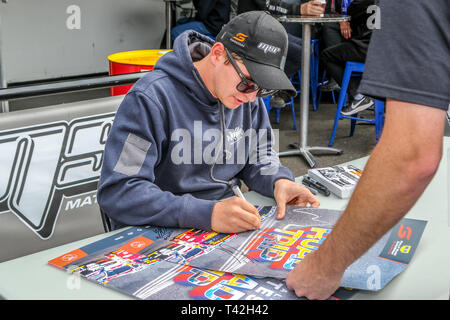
x=331, y=85
x=357, y=106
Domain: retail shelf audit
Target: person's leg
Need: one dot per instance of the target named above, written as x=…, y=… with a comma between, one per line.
x=294, y=55
x=334, y=59
x=293, y=28
x=293, y=64
x=331, y=35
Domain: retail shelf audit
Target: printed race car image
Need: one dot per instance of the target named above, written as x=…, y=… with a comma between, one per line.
x=203, y=237
x=115, y=264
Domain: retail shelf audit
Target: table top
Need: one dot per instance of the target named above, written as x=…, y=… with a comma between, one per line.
x=313, y=19
x=426, y=277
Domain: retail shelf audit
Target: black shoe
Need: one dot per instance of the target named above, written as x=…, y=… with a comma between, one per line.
x=357, y=106
x=277, y=102
x=331, y=85
x=279, y=99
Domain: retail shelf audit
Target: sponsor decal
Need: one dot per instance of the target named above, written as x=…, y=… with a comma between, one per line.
x=403, y=240
x=267, y=48
x=240, y=37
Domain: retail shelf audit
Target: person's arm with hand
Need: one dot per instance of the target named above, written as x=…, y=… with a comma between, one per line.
x=127, y=191
x=395, y=176
x=312, y=8
x=237, y=215
x=287, y=192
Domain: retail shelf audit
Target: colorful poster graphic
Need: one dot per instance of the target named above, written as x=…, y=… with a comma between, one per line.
x=163, y=263
x=284, y=248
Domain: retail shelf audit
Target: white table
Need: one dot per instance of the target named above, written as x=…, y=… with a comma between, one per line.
x=426, y=277
x=306, y=21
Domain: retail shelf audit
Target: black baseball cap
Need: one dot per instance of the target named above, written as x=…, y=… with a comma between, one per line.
x=262, y=43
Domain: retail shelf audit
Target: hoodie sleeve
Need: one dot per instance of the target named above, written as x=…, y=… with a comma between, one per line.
x=263, y=167
x=127, y=192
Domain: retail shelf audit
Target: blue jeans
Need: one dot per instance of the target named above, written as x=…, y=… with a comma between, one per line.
x=191, y=25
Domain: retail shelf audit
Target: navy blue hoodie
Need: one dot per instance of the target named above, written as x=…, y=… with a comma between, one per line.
x=165, y=139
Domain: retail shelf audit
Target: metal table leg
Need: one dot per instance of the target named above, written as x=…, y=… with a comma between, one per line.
x=303, y=149
x=168, y=23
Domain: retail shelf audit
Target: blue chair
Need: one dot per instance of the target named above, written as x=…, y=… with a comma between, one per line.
x=356, y=69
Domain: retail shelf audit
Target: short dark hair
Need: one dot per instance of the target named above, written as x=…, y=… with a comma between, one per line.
x=235, y=57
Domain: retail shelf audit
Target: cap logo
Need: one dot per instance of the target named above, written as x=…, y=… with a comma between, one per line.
x=240, y=37
x=268, y=48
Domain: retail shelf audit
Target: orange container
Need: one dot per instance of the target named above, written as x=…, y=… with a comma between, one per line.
x=131, y=62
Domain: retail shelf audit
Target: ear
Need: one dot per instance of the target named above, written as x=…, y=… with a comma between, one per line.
x=218, y=54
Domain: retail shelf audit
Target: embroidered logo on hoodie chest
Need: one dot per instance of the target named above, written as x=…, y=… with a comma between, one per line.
x=234, y=135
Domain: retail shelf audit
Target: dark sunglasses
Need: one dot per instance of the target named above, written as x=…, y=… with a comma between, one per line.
x=247, y=85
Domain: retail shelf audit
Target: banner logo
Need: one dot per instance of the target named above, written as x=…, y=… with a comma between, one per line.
x=40, y=164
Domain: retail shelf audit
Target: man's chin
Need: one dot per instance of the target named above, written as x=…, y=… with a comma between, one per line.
x=232, y=105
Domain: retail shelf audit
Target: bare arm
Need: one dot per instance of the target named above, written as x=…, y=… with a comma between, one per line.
x=398, y=171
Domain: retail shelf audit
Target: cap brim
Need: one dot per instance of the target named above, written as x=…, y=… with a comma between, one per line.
x=269, y=77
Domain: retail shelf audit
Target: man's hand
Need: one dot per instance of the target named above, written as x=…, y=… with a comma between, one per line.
x=235, y=215
x=367, y=219
x=312, y=8
x=287, y=192
x=346, y=31
x=313, y=279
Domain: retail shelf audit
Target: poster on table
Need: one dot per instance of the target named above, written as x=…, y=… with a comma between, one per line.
x=166, y=263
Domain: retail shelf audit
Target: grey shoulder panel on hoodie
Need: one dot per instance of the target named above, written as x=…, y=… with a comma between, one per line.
x=132, y=156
